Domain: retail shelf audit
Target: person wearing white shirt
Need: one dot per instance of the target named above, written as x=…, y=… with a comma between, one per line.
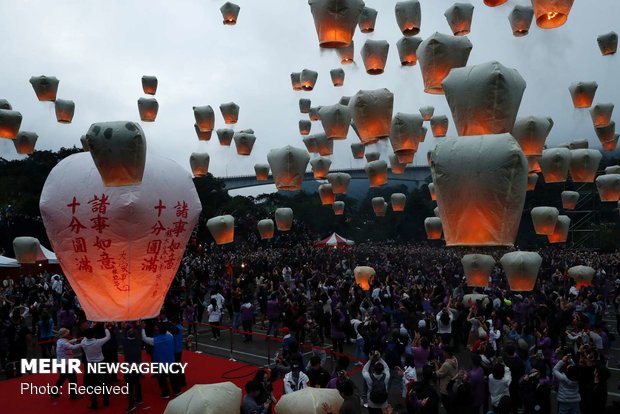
x=93, y=353
x=499, y=383
x=375, y=371
x=295, y=380
x=64, y=351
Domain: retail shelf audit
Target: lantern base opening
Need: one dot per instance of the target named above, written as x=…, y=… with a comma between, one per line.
x=411, y=31
x=520, y=33
x=230, y=22
x=376, y=71
x=551, y=20
x=462, y=32
x=434, y=90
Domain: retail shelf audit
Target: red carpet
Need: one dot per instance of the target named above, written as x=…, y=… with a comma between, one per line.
x=201, y=369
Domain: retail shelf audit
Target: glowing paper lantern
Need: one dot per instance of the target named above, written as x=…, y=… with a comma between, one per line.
x=304, y=105
x=339, y=181
x=230, y=13
x=608, y=43
x=199, y=163
x=308, y=79
x=266, y=228
x=288, y=167
x=25, y=142
x=284, y=218
x=480, y=184
x=610, y=145
x=399, y=200
x=374, y=54
x=230, y=112
x=608, y=187
x=320, y=167
x=395, y=166
x=261, y=171
x=439, y=126
x=221, y=398
x=325, y=146
x=26, y=249
x=560, y=232
x=531, y=133
x=407, y=50
x=327, y=195
x=65, y=110
x=459, y=17
x=582, y=93
x=346, y=54
x=10, y=121
x=367, y=20
x=377, y=173
x=148, y=107
x=494, y=3
x=433, y=228
x=544, y=219
x=601, y=114
x=438, y=54
x=551, y=13
x=296, y=81
x=45, y=87
x=584, y=165
x=244, y=142
x=358, y=149
x=427, y=112
x=149, y=84
x=338, y=208
x=336, y=120
x=337, y=76
x=304, y=126
x=311, y=145
x=202, y=136
x=119, y=247
x=408, y=17
x=84, y=143
x=612, y=169
x=484, y=99
x=431, y=190
x=520, y=19
x=533, y=164
x=4, y=104
x=313, y=113
x=225, y=136
x=569, y=199
x=222, y=229
x=478, y=268
x=372, y=156
x=371, y=112
x=532, y=179
x=205, y=117
x=582, y=275
x=554, y=164
x=379, y=206
x=405, y=135
x=335, y=21
x=606, y=133
x=119, y=152
x=521, y=270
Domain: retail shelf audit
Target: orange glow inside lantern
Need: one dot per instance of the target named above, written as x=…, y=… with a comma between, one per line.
x=338, y=208
x=521, y=282
x=569, y=203
x=439, y=129
x=398, y=204
x=225, y=236
x=610, y=145
x=375, y=62
x=148, y=109
x=296, y=81
x=378, y=178
x=533, y=165
x=262, y=173
x=320, y=171
x=477, y=278
x=327, y=195
x=65, y=110
x=551, y=13
x=10, y=121
x=494, y=3
x=560, y=232
x=364, y=276
x=405, y=156
x=582, y=281
x=433, y=234
x=582, y=100
x=379, y=209
x=304, y=127
x=532, y=179
x=431, y=190
x=266, y=233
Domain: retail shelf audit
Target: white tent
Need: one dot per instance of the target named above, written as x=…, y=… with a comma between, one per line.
x=8, y=262
x=335, y=240
x=46, y=255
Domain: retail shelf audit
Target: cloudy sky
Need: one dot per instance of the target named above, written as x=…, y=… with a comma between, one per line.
x=100, y=49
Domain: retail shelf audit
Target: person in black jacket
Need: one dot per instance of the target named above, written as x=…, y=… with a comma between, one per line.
x=132, y=349
x=318, y=376
x=351, y=403
x=423, y=397
x=517, y=371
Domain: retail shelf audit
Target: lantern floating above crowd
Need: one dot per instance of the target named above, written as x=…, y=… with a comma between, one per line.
x=521, y=270
x=544, y=219
x=406, y=133
x=45, y=87
x=358, y=149
x=377, y=173
x=551, y=14
x=230, y=13
x=337, y=76
x=320, y=167
x=308, y=78
x=399, y=201
x=367, y=20
x=266, y=229
x=569, y=199
x=336, y=120
x=407, y=50
x=25, y=142
x=374, y=55
x=608, y=186
x=371, y=111
x=26, y=249
x=582, y=93
x=582, y=275
x=433, y=228
x=304, y=126
x=477, y=269
x=64, y=110
x=325, y=146
x=379, y=206
x=230, y=112
x=202, y=135
x=288, y=167
x=395, y=166
x=10, y=121
x=608, y=43
x=149, y=84
x=364, y=276
x=601, y=114
x=408, y=17
x=326, y=194
x=205, y=117
x=560, y=232
x=335, y=21
x=459, y=17
x=310, y=143
x=225, y=136
x=438, y=54
x=284, y=218
x=439, y=126
x=244, y=142
x=148, y=108
x=199, y=163
x=532, y=179
x=346, y=54
x=520, y=19
x=338, y=208
x=584, y=164
x=222, y=229
x=554, y=164
x=261, y=171
x=339, y=181
x=531, y=133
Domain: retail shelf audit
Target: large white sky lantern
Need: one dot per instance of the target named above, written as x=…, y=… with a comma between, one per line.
x=308, y=78
x=335, y=21
x=205, y=117
x=324, y=145
x=199, y=163
x=399, y=200
x=225, y=136
x=320, y=167
x=230, y=112
x=358, y=149
x=582, y=275
x=45, y=87
x=149, y=84
x=433, y=228
x=531, y=133
x=374, y=55
x=337, y=76
x=601, y=114
x=405, y=135
x=311, y=144
x=560, y=232
x=608, y=43
x=544, y=219
x=244, y=141
x=25, y=142
x=119, y=152
x=438, y=54
x=222, y=228
x=459, y=17
x=477, y=268
x=407, y=50
x=364, y=276
x=119, y=247
x=266, y=228
x=485, y=98
x=148, y=108
x=367, y=20
x=326, y=194
x=395, y=166
x=551, y=13
x=608, y=187
x=64, y=110
x=569, y=199
x=10, y=121
x=582, y=93
x=521, y=270
x=377, y=173
x=220, y=398
x=284, y=218
x=309, y=401
x=336, y=120
x=554, y=164
x=520, y=19
x=408, y=17
x=584, y=164
x=26, y=249
x=339, y=181
x=288, y=166
x=379, y=206
x=338, y=208
x=261, y=171
x=371, y=111
x=480, y=183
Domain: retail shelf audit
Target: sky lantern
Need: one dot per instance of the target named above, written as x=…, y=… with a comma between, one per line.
x=531, y=133
x=327, y=195
x=336, y=120
x=199, y=163
x=480, y=183
x=582, y=275
x=612, y=169
x=119, y=152
x=266, y=229
x=520, y=19
x=374, y=55
x=308, y=79
x=367, y=20
x=606, y=133
x=459, y=17
x=337, y=76
x=431, y=190
x=26, y=249
x=230, y=112
x=407, y=50
x=601, y=114
x=320, y=167
x=84, y=143
x=371, y=111
x=478, y=269
x=261, y=171
x=521, y=270
x=438, y=54
x=346, y=54
x=578, y=144
x=569, y=199
x=222, y=228
x=372, y=156
x=288, y=167
x=377, y=173
x=551, y=13
x=25, y=142
x=10, y=121
x=304, y=105
x=364, y=276
x=439, y=126
x=379, y=206
x=399, y=200
x=395, y=166
x=335, y=21
x=65, y=110
x=582, y=93
x=544, y=219
x=311, y=145
x=205, y=117
x=119, y=246
x=313, y=113
x=244, y=142
x=554, y=164
x=305, y=126
x=225, y=136
x=45, y=87
x=325, y=146
x=202, y=136
x=218, y=398
x=408, y=17
x=284, y=218
x=610, y=145
x=230, y=13
x=484, y=99
x=533, y=164
x=148, y=107
x=149, y=84
x=532, y=179
x=4, y=104
x=427, y=112
x=560, y=232
x=433, y=227
x=584, y=165
x=338, y=208
x=494, y=3
x=339, y=181
x=608, y=187
x=358, y=149
x=344, y=100
x=405, y=135
x=296, y=81
x=608, y=43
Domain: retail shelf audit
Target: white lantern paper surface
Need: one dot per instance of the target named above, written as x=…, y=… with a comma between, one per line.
x=199, y=163
x=521, y=270
x=408, y=50
x=531, y=133
x=608, y=43
x=326, y=194
x=395, y=166
x=582, y=93
x=65, y=110
x=220, y=398
x=309, y=401
x=284, y=218
x=408, y=17
x=372, y=156
x=584, y=164
x=569, y=199
x=230, y=13
x=478, y=268
x=26, y=249
x=148, y=108
x=377, y=173
x=149, y=84
x=560, y=233
x=367, y=20
x=222, y=228
x=544, y=219
x=358, y=149
x=364, y=276
x=335, y=21
x=459, y=17
x=261, y=171
x=601, y=114
x=46, y=87
x=10, y=121
x=379, y=206
x=25, y=142
x=266, y=228
x=230, y=112
x=225, y=136
x=554, y=164
x=288, y=167
x=399, y=200
x=371, y=112
x=582, y=275
x=205, y=117
x=433, y=228
x=438, y=54
x=520, y=19
x=336, y=120
x=320, y=167
x=339, y=181
x=244, y=141
x=608, y=187
x=338, y=208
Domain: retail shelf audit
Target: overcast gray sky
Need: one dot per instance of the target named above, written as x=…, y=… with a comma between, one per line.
x=100, y=49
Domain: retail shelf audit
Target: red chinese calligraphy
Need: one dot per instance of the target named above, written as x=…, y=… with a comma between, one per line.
x=157, y=228
x=79, y=245
x=154, y=247
x=182, y=209
x=150, y=264
x=178, y=227
x=99, y=204
x=83, y=264
x=74, y=205
x=75, y=225
x=100, y=223
x=106, y=262
x=159, y=207
x=102, y=244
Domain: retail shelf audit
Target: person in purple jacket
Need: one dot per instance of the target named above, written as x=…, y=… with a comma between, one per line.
x=247, y=318
x=274, y=314
x=477, y=383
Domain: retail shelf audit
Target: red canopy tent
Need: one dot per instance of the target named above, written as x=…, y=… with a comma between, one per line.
x=335, y=241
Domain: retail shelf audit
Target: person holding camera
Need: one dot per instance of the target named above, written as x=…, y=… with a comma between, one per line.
x=376, y=374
